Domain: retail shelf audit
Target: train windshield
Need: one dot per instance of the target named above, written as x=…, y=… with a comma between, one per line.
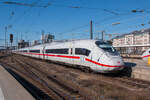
x=106, y=47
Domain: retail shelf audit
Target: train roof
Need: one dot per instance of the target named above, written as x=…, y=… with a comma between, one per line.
x=80, y=42
x=77, y=42
x=68, y=41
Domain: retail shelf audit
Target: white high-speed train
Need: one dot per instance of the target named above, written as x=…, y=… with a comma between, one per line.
x=146, y=54
x=96, y=55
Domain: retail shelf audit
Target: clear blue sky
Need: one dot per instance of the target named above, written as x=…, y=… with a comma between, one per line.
x=65, y=22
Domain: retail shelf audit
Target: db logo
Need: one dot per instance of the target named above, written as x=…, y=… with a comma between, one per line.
x=118, y=62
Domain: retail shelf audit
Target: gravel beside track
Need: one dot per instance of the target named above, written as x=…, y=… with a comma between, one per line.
x=68, y=83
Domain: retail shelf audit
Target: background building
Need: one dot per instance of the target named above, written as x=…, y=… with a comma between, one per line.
x=47, y=38
x=135, y=41
x=22, y=44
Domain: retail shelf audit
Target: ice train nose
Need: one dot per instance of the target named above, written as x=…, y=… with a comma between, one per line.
x=117, y=61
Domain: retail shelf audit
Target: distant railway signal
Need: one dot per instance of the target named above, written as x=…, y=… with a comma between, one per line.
x=142, y=24
x=11, y=38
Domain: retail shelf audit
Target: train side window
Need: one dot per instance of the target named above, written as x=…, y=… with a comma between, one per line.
x=24, y=51
x=34, y=51
x=82, y=51
x=48, y=51
x=87, y=52
x=149, y=52
x=57, y=51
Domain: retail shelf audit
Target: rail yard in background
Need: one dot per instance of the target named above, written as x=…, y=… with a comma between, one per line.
x=75, y=83
x=38, y=75
x=74, y=50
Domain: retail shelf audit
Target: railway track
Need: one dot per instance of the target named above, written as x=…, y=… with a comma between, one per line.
x=135, y=83
x=54, y=81
x=63, y=89
x=127, y=83
x=30, y=77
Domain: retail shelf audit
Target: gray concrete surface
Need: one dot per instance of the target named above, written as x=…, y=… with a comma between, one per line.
x=10, y=89
x=140, y=68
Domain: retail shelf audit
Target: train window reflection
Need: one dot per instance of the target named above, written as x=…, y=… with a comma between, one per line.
x=34, y=51
x=106, y=47
x=82, y=51
x=58, y=51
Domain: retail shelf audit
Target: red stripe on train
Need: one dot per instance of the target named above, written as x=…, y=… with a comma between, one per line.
x=73, y=57
x=146, y=56
x=64, y=56
x=100, y=63
x=34, y=53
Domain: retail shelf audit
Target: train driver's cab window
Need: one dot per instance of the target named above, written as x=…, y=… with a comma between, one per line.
x=149, y=52
x=82, y=51
x=106, y=47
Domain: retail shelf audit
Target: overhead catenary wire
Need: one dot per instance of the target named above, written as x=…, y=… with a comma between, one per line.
x=96, y=23
x=25, y=12
x=120, y=22
x=52, y=4
x=76, y=28
x=58, y=5
x=137, y=25
x=34, y=4
x=22, y=15
x=86, y=25
x=68, y=6
x=21, y=4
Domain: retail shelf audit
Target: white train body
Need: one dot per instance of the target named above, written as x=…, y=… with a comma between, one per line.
x=94, y=54
x=146, y=54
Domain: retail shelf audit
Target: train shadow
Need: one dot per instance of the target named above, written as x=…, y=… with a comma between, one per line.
x=126, y=72
x=130, y=64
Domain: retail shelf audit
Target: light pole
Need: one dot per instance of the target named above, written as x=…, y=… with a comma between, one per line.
x=6, y=29
x=5, y=37
x=91, y=29
x=103, y=34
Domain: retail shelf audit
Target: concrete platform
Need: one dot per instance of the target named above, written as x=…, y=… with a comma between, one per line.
x=10, y=89
x=140, y=68
x=131, y=55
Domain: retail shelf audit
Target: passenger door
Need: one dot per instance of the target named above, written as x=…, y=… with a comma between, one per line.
x=43, y=53
x=82, y=53
x=71, y=54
